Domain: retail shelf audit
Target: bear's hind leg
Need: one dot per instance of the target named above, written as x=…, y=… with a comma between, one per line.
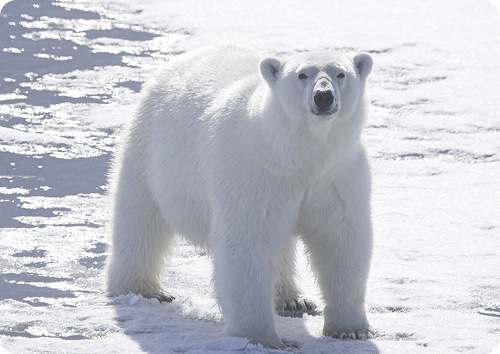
x=140, y=242
x=289, y=301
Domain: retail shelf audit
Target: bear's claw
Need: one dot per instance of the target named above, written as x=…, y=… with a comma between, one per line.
x=348, y=334
x=296, y=308
x=161, y=297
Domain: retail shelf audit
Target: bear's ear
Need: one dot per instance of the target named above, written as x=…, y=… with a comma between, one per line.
x=269, y=69
x=363, y=63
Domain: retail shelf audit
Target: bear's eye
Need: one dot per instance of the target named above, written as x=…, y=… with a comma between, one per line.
x=302, y=76
x=340, y=76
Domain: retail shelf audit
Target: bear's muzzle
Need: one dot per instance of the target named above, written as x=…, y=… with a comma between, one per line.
x=325, y=102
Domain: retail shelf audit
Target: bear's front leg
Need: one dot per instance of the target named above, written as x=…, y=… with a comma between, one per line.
x=245, y=240
x=243, y=279
x=336, y=225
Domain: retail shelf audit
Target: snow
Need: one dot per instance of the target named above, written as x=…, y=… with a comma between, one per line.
x=70, y=75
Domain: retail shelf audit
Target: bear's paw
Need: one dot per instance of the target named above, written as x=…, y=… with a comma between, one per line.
x=362, y=334
x=292, y=307
x=161, y=296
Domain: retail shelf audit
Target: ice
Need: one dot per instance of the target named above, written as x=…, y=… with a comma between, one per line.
x=226, y=343
x=70, y=76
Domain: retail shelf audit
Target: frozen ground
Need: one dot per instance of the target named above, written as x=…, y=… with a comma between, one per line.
x=70, y=73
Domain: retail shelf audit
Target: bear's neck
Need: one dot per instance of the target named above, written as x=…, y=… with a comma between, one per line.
x=303, y=148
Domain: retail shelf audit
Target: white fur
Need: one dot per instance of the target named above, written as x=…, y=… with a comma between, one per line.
x=233, y=159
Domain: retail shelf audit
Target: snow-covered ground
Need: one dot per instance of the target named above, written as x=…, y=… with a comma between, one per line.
x=70, y=75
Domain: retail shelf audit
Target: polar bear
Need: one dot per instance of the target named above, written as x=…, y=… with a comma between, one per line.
x=242, y=153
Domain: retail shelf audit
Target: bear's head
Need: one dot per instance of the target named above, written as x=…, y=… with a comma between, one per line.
x=325, y=85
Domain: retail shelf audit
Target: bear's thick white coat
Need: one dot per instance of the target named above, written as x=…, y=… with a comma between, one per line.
x=241, y=155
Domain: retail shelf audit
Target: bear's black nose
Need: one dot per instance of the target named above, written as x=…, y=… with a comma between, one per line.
x=323, y=99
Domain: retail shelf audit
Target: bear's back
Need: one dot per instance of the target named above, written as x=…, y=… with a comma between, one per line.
x=209, y=70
